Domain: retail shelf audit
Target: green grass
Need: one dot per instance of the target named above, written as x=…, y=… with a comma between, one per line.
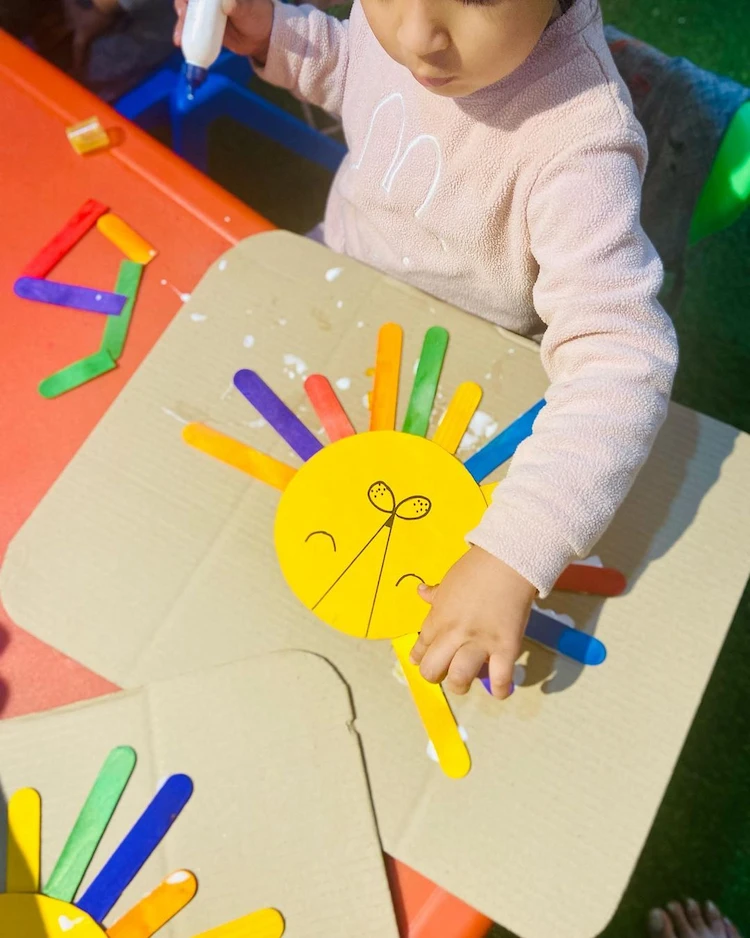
x=700, y=843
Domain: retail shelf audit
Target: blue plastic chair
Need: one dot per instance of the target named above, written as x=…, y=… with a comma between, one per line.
x=164, y=98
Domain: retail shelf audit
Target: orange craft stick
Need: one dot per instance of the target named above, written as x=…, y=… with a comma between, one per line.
x=132, y=245
x=597, y=581
x=387, y=369
x=157, y=908
x=233, y=453
x=328, y=407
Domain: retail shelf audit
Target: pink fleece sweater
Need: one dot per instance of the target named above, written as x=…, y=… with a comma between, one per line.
x=520, y=204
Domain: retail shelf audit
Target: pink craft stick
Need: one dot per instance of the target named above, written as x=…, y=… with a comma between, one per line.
x=328, y=407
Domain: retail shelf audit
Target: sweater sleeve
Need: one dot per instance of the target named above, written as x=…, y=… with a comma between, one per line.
x=308, y=55
x=610, y=353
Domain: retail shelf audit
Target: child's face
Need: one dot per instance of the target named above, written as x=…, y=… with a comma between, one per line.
x=457, y=47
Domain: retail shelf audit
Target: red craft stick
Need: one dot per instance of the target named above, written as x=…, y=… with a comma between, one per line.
x=328, y=408
x=75, y=228
x=597, y=581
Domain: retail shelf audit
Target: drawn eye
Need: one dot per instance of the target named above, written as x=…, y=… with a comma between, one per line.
x=414, y=507
x=382, y=497
x=325, y=534
x=406, y=576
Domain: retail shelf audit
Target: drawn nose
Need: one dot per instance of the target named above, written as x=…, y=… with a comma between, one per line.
x=414, y=507
x=382, y=497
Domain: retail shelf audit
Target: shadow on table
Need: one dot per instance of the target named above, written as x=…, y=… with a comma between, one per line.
x=661, y=507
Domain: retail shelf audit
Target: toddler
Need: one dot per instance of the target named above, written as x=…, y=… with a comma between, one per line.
x=495, y=162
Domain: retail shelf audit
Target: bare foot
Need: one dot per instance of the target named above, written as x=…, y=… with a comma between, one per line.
x=688, y=920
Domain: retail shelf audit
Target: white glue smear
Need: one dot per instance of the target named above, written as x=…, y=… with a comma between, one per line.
x=559, y=616
x=179, y=877
x=68, y=924
x=227, y=218
x=282, y=322
x=360, y=324
x=334, y=273
x=340, y=304
x=222, y=266
x=366, y=401
x=482, y=428
x=226, y=393
x=174, y=416
x=249, y=341
x=432, y=754
x=592, y=561
x=198, y=317
x=398, y=673
x=294, y=366
x=183, y=296
x=257, y=423
x=343, y=384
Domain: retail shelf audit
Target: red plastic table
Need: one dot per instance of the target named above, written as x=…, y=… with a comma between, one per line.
x=191, y=221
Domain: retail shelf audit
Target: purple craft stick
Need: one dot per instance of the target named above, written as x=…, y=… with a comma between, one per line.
x=274, y=410
x=67, y=294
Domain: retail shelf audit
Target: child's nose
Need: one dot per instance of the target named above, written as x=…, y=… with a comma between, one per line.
x=421, y=35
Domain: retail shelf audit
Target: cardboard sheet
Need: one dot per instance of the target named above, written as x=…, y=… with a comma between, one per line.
x=148, y=559
x=280, y=815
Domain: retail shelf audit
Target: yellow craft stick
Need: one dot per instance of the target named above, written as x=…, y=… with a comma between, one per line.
x=488, y=490
x=233, y=453
x=24, y=841
x=457, y=417
x=435, y=713
x=387, y=367
x=157, y=908
x=132, y=245
x=266, y=923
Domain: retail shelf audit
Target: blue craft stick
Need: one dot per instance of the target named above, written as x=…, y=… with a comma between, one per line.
x=561, y=638
x=270, y=406
x=503, y=446
x=68, y=294
x=136, y=847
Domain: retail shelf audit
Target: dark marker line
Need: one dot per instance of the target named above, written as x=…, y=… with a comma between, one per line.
x=350, y=565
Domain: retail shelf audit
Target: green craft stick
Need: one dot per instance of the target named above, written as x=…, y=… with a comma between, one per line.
x=73, y=376
x=116, y=329
x=90, y=825
x=426, y=381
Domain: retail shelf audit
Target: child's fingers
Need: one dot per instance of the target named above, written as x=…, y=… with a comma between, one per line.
x=437, y=658
x=427, y=593
x=466, y=665
x=420, y=647
x=501, y=675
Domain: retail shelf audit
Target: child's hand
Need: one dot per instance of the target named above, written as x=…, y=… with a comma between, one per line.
x=479, y=613
x=248, y=29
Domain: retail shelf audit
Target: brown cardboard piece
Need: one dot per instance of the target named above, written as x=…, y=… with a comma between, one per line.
x=148, y=559
x=280, y=815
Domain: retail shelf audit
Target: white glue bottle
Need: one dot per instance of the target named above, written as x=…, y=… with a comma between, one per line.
x=202, y=36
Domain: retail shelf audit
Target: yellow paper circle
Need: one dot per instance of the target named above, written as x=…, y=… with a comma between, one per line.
x=368, y=518
x=34, y=916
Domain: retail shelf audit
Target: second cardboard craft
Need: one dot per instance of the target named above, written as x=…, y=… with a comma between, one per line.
x=280, y=814
x=148, y=559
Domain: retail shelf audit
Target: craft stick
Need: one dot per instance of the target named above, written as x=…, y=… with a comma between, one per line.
x=457, y=417
x=417, y=420
x=76, y=374
x=328, y=407
x=385, y=386
x=274, y=410
x=233, y=453
x=503, y=446
x=136, y=847
x=561, y=638
x=436, y=715
x=91, y=824
x=157, y=908
x=266, y=923
x=68, y=236
x=596, y=581
x=24, y=850
x=68, y=294
x=116, y=330
x=132, y=245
